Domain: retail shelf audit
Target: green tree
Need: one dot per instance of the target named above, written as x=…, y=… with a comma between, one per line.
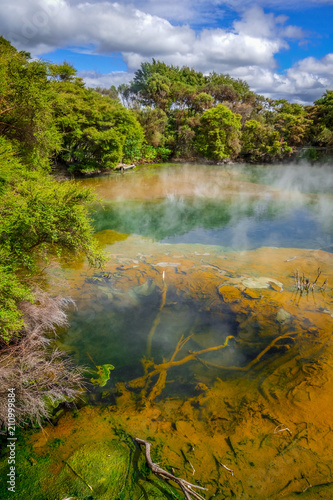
x=260, y=142
x=153, y=122
x=219, y=133
x=98, y=132
x=292, y=123
x=324, y=109
x=40, y=219
x=26, y=113
x=321, y=115
x=112, y=92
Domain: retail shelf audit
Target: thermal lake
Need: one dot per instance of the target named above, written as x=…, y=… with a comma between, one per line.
x=215, y=309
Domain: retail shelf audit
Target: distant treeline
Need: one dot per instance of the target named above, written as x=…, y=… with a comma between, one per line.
x=166, y=112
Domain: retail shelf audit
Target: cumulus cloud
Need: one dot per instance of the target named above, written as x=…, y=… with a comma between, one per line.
x=142, y=29
x=112, y=27
x=304, y=82
x=109, y=27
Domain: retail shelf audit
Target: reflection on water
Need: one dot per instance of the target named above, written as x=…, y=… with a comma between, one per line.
x=220, y=206
x=219, y=360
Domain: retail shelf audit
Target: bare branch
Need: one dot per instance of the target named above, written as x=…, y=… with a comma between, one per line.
x=185, y=486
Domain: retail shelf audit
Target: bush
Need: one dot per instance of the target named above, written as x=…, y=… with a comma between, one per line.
x=41, y=377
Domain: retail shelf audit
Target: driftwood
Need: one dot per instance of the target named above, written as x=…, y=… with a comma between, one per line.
x=185, y=486
x=123, y=166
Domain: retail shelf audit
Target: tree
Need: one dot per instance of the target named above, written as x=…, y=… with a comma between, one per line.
x=201, y=102
x=26, y=113
x=324, y=109
x=153, y=121
x=291, y=122
x=64, y=72
x=39, y=219
x=321, y=115
x=98, y=132
x=112, y=92
x=225, y=88
x=219, y=133
x=260, y=142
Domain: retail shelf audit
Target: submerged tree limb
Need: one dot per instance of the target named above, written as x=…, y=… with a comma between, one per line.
x=256, y=359
x=185, y=486
x=162, y=368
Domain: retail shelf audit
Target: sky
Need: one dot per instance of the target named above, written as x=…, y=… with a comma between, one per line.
x=282, y=48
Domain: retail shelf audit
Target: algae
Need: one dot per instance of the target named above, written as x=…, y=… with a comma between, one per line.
x=205, y=409
x=103, y=372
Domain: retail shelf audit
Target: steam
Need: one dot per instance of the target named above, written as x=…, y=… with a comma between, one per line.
x=302, y=178
x=240, y=206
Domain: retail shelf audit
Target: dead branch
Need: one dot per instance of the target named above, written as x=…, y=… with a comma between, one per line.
x=227, y=468
x=278, y=429
x=302, y=283
x=255, y=360
x=162, y=368
x=185, y=486
x=6, y=110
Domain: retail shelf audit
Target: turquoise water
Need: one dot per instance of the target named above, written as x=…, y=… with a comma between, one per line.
x=219, y=361
x=241, y=208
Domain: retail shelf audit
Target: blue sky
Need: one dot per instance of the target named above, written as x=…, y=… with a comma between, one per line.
x=283, y=49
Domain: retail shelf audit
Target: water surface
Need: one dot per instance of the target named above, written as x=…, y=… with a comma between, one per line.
x=242, y=208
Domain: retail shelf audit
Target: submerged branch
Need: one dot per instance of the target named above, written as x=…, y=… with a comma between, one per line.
x=255, y=360
x=162, y=368
x=185, y=486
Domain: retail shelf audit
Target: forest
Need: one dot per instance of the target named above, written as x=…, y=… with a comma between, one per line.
x=49, y=118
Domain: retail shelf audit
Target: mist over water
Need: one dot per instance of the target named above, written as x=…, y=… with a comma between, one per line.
x=239, y=207
x=301, y=178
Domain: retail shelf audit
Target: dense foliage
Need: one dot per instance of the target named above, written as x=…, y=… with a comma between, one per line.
x=39, y=217
x=175, y=106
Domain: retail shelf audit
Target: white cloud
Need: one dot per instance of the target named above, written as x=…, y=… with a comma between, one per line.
x=105, y=80
x=247, y=50
x=322, y=66
x=112, y=27
x=304, y=82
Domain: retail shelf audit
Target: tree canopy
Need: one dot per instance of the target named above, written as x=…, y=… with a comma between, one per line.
x=270, y=130
x=40, y=218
